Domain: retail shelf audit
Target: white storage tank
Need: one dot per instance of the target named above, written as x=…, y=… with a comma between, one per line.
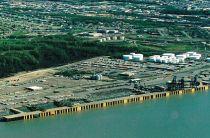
x=194, y=57
x=169, y=54
x=173, y=61
x=108, y=38
x=104, y=39
x=156, y=56
x=138, y=57
x=170, y=60
x=100, y=40
x=165, y=60
x=127, y=57
x=181, y=56
x=141, y=55
x=152, y=59
x=114, y=37
x=132, y=54
x=181, y=60
x=177, y=61
x=198, y=55
x=100, y=76
x=159, y=60
x=191, y=53
x=165, y=57
x=186, y=54
x=97, y=77
x=121, y=37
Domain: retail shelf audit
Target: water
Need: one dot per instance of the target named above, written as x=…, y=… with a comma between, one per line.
x=186, y=116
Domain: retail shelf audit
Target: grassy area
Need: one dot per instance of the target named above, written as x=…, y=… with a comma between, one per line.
x=178, y=48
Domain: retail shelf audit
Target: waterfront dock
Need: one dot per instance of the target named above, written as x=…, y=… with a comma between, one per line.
x=99, y=104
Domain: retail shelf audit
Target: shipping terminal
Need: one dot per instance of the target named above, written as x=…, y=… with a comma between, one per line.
x=102, y=82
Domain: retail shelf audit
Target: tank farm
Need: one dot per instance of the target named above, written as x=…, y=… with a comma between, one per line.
x=100, y=104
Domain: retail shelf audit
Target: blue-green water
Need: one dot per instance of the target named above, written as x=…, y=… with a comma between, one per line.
x=186, y=116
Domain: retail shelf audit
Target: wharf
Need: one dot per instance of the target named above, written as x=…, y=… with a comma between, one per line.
x=15, y=110
x=99, y=104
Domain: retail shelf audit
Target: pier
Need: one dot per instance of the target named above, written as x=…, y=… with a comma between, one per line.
x=99, y=104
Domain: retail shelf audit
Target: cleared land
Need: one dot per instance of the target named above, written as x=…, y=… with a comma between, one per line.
x=76, y=86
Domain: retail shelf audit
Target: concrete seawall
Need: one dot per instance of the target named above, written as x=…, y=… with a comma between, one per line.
x=99, y=104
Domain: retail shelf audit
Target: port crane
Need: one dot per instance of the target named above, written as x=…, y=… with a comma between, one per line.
x=180, y=84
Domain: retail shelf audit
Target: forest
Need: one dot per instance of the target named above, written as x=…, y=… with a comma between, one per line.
x=24, y=54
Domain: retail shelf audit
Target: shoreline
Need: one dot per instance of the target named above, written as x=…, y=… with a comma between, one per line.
x=99, y=104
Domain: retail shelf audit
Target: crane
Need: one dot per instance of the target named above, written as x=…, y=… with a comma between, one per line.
x=180, y=84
